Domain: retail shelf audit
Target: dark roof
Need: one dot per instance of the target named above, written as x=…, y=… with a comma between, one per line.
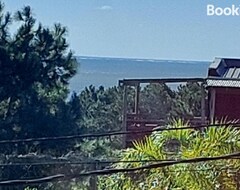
x=224, y=72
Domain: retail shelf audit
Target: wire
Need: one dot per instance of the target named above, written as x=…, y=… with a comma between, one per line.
x=62, y=177
x=31, y=181
x=161, y=164
x=71, y=162
x=80, y=162
x=91, y=135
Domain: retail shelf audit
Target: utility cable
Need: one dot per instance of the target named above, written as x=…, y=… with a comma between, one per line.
x=79, y=162
x=62, y=177
x=161, y=164
x=107, y=134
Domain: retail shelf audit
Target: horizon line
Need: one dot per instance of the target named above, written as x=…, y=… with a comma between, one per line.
x=134, y=58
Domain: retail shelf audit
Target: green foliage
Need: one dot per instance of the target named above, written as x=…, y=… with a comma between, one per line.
x=181, y=144
x=187, y=102
x=156, y=101
x=101, y=112
x=101, y=109
x=35, y=67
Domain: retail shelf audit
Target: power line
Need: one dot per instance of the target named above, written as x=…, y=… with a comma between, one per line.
x=161, y=164
x=71, y=162
x=62, y=177
x=107, y=134
x=32, y=181
x=80, y=162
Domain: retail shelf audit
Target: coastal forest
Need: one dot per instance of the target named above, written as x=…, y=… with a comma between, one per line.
x=47, y=133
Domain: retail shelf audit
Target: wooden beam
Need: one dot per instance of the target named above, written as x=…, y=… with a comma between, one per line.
x=134, y=82
x=137, y=94
x=203, y=104
x=124, y=122
x=93, y=178
x=212, y=104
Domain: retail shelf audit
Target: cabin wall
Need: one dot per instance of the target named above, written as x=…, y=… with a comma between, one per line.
x=227, y=103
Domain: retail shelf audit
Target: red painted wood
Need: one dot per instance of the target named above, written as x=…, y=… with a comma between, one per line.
x=227, y=103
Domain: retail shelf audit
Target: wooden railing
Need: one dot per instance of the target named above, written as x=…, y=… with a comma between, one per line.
x=135, y=123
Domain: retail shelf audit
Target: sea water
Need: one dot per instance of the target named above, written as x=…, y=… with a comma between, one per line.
x=104, y=71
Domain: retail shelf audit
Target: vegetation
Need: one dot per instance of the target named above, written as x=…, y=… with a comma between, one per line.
x=181, y=144
x=35, y=68
x=156, y=101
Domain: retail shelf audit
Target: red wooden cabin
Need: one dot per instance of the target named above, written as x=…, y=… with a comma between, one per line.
x=223, y=87
x=223, y=84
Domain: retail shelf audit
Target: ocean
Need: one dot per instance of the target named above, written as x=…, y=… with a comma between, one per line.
x=103, y=71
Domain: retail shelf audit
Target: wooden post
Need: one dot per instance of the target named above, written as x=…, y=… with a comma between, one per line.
x=203, y=104
x=212, y=105
x=137, y=92
x=93, y=178
x=124, y=122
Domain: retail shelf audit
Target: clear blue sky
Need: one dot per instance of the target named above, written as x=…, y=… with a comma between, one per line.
x=157, y=29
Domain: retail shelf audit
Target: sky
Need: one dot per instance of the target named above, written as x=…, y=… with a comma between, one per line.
x=152, y=29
